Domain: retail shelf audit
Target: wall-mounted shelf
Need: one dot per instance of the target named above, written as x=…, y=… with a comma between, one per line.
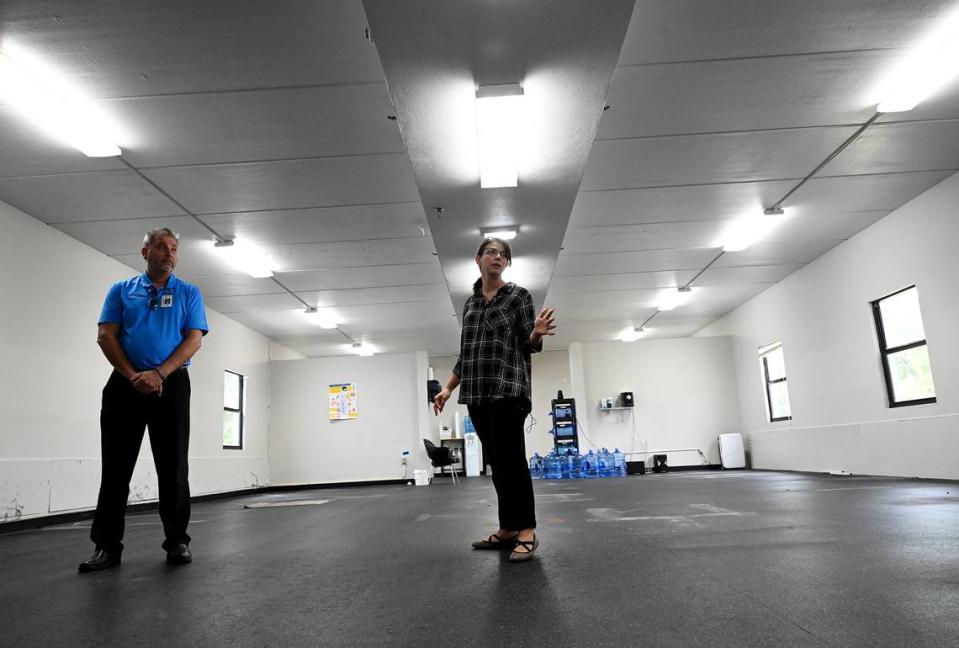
x=612, y=409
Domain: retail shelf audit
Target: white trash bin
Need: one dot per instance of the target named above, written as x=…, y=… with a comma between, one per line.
x=421, y=477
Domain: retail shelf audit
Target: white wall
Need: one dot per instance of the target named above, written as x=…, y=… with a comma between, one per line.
x=306, y=447
x=550, y=373
x=684, y=389
x=52, y=288
x=822, y=315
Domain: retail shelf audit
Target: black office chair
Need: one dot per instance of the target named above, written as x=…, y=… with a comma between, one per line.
x=441, y=457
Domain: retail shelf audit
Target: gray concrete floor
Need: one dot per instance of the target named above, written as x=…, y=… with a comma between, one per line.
x=683, y=559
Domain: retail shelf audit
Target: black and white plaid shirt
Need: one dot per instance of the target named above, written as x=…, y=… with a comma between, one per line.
x=495, y=351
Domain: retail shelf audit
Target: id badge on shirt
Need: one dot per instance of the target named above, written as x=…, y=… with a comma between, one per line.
x=166, y=301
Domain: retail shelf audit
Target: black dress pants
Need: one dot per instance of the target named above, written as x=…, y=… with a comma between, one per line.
x=499, y=425
x=124, y=415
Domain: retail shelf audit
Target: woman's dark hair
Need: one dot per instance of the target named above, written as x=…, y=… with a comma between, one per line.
x=492, y=239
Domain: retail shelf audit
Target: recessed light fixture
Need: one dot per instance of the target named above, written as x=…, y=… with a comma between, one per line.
x=632, y=334
x=55, y=107
x=245, y=257
x=323, y=319
x=505, y=234
x=363, y=349
x=499, y=124
x=673, y=298
x=750, y=229
x=926, y=69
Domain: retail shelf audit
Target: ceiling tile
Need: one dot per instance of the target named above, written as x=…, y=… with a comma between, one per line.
x=716, y=300
x=900, y=147
x=288, y=324
x=648, y=236
x=434, y=342
x=692, y=30
x=350, y=223
x=260, y=186
x=315, y=256
x=778, y=253
x=746, y=274
x=626, y=262
x=379, y=295
x=172, y=47
x=371, y=319
x=349, y=276
x=704, y=159
x=670, y=204
x=262, y=125
x=268, y=302
x=742, y=94
x=25, y=150
x=125, y=237
x=880, y=192
x=234, y=284
x=78, y=197
x=802, y=225
x=608, y=282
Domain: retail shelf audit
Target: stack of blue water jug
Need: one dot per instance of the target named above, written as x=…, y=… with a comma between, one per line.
x=568, y=463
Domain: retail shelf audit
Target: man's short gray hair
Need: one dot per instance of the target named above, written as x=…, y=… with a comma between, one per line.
x=152, y=235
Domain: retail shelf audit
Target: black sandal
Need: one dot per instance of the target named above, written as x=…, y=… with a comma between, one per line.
x=529, y=545
x=498, y=543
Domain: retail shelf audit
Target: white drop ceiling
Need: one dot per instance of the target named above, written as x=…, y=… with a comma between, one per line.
x=271, y=122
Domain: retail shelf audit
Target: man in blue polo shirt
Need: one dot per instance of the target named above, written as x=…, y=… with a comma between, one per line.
x=150, y=327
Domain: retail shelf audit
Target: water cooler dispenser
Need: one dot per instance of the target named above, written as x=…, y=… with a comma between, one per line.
x=473, y=449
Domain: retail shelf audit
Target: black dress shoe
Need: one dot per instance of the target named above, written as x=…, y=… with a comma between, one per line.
x=179, y=555
x=100, y=559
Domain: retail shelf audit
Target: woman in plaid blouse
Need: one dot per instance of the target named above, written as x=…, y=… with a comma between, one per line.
x=501, y=331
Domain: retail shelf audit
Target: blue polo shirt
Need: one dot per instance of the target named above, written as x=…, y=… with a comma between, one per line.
x=153, y=321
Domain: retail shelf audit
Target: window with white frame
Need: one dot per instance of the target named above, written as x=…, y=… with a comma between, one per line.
x=234, y=399
x=773, y=368
x=902, y=345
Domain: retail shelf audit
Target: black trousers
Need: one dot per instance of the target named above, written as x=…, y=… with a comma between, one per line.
x=499, y=425
x=124, y=415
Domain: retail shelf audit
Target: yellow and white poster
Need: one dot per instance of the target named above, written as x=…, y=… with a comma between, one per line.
x=343, y=402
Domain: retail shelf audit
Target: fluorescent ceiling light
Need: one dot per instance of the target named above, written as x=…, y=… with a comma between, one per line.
x=673, y=298
x=498, y=121
x=750, y=229
x=324, y=319
x=927, y=68
x=506, y=234
x=55, y=108
x=363, y=349
x=632, y=334
x=245, y=257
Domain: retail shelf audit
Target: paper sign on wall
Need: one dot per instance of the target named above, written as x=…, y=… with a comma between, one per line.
x=343, y=402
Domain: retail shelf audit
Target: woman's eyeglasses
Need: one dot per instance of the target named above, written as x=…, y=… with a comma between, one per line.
x=494, y=253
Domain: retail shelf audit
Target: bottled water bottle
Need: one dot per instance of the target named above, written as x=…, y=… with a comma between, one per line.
x=602, y=463
x=589, y=466
x=619, y=461
x=575, y=464
x=536, y=466
x=563, y=463
x=553, y=469
x=608, y=460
